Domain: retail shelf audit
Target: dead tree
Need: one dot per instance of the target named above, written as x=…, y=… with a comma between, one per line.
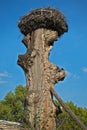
x=41, y=27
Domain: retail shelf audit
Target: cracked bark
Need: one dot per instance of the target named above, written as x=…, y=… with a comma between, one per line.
x=40, y=76
x=41, y=28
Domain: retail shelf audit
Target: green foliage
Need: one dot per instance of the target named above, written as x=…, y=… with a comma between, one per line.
x=12, y=106
x=65, y=122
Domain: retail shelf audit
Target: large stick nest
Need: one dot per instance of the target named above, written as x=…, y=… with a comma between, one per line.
x=48, y=18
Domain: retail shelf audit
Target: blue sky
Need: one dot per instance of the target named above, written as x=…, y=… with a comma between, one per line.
x=69, y=51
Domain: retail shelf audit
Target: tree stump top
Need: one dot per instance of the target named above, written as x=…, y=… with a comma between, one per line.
x=48, y=18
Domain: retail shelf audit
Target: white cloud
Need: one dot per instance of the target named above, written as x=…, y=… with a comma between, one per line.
x=84, y=69
x=68, y=73
x=72, y=75
x=4, y=76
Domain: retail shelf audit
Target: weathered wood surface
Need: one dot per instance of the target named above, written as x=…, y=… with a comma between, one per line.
x=41, y=28
x=40, y=76
x=8, y=125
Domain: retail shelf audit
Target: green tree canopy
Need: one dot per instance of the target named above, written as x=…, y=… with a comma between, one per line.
x=12, y=108
x=65, y=122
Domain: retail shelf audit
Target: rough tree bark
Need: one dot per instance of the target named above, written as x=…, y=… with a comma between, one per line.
x=40, y=73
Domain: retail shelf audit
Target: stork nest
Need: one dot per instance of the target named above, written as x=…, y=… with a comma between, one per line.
x=48, y=18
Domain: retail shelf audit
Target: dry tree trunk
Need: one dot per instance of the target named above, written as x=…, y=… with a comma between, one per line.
x=41, y=28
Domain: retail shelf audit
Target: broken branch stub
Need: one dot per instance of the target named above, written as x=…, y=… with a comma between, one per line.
x=41, y=28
